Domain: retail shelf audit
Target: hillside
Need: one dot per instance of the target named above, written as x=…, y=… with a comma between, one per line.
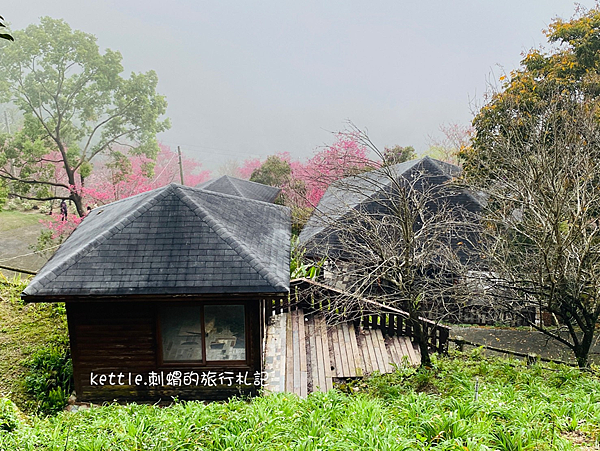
x=24, y=329
x=465, y=402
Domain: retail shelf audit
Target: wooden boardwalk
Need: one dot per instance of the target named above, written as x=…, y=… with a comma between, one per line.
x=303, y=354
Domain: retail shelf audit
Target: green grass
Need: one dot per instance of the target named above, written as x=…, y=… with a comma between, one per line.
x=24, y=329
x=518, y=408
x=14, y=219
x=543, y=407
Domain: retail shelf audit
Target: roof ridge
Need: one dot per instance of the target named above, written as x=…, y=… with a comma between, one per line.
x=440, y=165
x=233, y=185
x=231, y=196
x=221, y=230
x=391, y=174
x=412, y=164
x=237, y=179
x=106, y=234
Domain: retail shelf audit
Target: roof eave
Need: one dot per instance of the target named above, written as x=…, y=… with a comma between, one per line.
x=145, y=297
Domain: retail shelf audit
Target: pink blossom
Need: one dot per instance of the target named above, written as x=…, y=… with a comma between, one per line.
x=107, y=184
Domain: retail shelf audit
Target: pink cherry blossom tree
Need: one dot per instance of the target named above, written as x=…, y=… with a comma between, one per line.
x=126, y=176
x=304, y=183
x=346, y=156
x=122, y=176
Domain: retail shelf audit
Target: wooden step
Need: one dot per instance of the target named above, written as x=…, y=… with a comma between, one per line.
x=303, y=354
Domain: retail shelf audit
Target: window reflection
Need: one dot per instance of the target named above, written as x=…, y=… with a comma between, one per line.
x=181, y=329
x=225, y=329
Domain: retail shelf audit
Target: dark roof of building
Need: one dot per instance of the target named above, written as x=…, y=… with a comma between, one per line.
x=241, y=188
x=369, y=190
x=172, y=240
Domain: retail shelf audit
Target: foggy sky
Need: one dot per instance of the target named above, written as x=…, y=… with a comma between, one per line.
x=252, y=78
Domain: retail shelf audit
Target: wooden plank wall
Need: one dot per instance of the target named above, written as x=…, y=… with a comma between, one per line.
x=121, y=337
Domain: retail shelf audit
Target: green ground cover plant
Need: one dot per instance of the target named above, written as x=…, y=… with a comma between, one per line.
x=27, y=330
x=49, y=378
x=548, y=407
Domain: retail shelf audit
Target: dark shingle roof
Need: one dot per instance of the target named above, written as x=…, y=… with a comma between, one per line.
x=172, y=240
x=369, y=190
x=241, y=188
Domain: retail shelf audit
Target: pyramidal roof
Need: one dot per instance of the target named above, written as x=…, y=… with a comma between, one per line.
x=319, y=236
x=172, y=240
x=241, y=188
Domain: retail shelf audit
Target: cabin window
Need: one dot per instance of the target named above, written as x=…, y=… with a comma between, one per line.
x=181, y=330
x=225, y=327
x=199, y=334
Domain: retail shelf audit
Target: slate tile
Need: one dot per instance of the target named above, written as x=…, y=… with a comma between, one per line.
x=162, y=234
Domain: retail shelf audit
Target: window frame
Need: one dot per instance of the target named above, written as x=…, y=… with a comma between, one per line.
x=246, y=363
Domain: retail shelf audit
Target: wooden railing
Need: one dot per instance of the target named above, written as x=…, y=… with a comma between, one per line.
x=314, y=296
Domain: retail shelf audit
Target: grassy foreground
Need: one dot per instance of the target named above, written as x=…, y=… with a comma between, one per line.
x=24, y=329
x=517, y=408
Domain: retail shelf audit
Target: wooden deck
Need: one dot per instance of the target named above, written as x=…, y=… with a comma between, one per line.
x=303, y=354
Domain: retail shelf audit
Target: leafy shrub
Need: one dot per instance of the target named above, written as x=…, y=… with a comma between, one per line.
x=50, y=378
x=11, y=288
x=9, y=419
x=299, y=268
x=508, y=415
x=508, y=441
x=16, y=204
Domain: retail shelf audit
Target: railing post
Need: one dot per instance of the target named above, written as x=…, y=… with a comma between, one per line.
x=460, y=343
x=444, y=335
x=382, y=322
x=408, y=328
x=391, y=329
x=277, y=307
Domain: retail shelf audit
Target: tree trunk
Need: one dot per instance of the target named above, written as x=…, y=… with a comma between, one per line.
x=582, y=351
x=78, y=201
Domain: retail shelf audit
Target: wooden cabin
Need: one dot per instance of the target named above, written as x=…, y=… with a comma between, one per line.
x=166, y=294
x=372, y=192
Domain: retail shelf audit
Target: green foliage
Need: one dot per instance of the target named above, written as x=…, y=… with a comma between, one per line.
x=9, y=415
x=11, y=288
x=299, y=268
x=398, y=154
x=3, y=193
x=569, y=71
x=24, y=330
x=75, y=104
x=273, y=172
x=534, y=156
x=510, y=441
x=50, y=378
x=519, y=408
